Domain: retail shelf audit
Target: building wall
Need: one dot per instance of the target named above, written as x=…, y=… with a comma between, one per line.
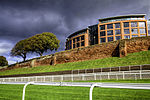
x=111, y=33
x=115, y=48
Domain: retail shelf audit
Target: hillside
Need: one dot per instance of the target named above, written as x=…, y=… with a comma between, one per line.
x=138, y=58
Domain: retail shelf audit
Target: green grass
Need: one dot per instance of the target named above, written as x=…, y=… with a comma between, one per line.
x=138, y=58
x=34, y=92
x=118, y=81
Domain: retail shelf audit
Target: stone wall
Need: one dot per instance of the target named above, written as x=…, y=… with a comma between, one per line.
x=118, y=48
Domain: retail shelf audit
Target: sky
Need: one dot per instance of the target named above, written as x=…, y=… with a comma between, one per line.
x=20, y=19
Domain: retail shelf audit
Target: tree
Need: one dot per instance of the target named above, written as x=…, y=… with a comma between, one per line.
x=40, y=43
x=21, y=49
x=3, y=61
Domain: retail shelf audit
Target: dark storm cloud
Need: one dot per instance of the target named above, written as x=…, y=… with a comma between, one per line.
x=20, y=19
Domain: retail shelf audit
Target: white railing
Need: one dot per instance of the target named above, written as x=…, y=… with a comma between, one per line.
x=86, y=84
x=134, y=75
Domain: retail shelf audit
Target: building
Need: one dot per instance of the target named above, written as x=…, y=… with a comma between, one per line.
x=110, y=29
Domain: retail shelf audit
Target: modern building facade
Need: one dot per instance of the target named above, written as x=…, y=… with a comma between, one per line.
x=110, y=29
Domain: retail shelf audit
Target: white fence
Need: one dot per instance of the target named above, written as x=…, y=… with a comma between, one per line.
x=136, y=74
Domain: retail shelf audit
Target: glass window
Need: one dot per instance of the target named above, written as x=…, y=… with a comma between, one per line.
x=142, y=31
x=117, y=37
x=127, y=37
x=102, y=27
x=117, y=25
x=134, y=35
x=103, y=40
x=78, y=39
x=82, y=37
x=126, y=31
x=74, y=45
x=70, y=42
x=78, y=44
x=134, y=31
x=126, y=24
x=110, y=32
x=102, y=33
x=110, y=26
x=142, y=35
x=141, y=24
x=110, y=39
x=74, y=40
x=117, y=32
x=133, y=24
x=82, y=43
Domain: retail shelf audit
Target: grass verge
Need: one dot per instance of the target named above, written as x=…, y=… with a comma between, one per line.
x=138, y=58
x=34, y=92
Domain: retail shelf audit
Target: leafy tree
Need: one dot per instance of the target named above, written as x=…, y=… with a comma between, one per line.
x=40, y=43
x=3, y=61
x=21, y=49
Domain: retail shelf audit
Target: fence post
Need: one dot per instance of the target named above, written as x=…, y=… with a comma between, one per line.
x=24, y=88
x=108, y=76
x=123, y=76
x=91, y=90
x=82, y=76
x=95, y=76
x=116, y=76
x=140, y=74
x=72, y=76
x=135, y=77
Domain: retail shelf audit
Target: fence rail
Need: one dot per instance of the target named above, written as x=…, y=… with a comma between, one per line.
x=136, y=74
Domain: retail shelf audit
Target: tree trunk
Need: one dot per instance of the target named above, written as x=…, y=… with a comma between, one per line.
x=24, y=57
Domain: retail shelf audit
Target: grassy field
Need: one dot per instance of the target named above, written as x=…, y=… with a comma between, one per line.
x=34, y=92
x=138, y=58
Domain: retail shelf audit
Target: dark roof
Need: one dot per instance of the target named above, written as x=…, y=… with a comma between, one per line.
x=123, y=16
x=75, y=33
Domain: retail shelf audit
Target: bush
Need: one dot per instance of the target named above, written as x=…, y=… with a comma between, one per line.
x=3, y=61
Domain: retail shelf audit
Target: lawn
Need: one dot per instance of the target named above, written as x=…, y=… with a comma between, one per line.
x=138, y=58
x=34, y=92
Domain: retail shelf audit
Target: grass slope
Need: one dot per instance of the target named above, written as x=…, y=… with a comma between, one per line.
x=34, y=92
x=138, y=58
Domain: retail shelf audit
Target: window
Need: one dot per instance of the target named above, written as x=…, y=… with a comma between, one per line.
x=78, y=44
x=74, y=45
x=70, y=42
x=102, y=27
x=82, y=43
x=127, y=37
x=82, y=37
x=110, y=39
x=110, y=32
x=117, y=37
x=134, y=35
x=117, y=25
x=103, y=40
x=133, y=24
x=117, y=32
x=126, y=24
x=126, y=31
x=141, y=24
x=134, y=31
x=74, y=40
x=142, y=31
x=142, y=35
x=78, y=39
x=102, y=33
x=110, y=26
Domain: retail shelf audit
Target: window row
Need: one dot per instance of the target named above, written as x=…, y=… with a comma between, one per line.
x=78, y=44
x=117, y=38
x=78, y=39
x=126, y=31
x=125, y=24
